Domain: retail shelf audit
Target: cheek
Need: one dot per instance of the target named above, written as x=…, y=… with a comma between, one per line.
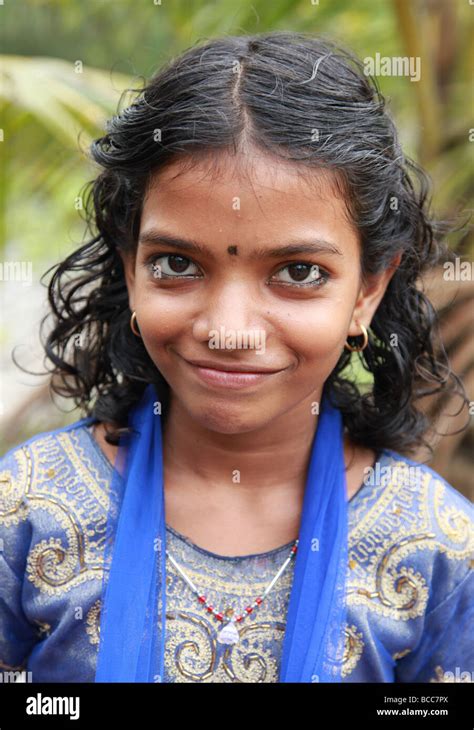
x=319, y=335
x=313, y=331
x=159, y=318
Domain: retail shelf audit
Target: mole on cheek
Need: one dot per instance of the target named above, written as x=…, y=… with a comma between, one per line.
x=232, y=250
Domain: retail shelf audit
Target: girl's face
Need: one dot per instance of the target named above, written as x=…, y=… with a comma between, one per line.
x=267, y=277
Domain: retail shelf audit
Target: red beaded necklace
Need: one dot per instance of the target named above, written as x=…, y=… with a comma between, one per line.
x=229, y=634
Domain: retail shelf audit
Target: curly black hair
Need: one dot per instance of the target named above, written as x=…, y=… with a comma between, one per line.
x=269, y=91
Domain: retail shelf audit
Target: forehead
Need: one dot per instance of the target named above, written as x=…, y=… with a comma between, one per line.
x=240, y=196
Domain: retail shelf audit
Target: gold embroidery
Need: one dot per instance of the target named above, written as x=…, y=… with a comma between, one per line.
x=71, y=501
x=401, y=654
x=13, y=509
x=389, y=524
x=93, y=622
x=254, y=666
x=50, y=565
x=353, y=648
x=454, y=523
x=184, y=642
x=192, y=652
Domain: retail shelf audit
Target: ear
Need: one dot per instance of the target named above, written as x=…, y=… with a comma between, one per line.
x=128, y=260
x=370, y=296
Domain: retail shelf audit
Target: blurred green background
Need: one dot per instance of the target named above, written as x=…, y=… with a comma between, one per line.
x=64, y=66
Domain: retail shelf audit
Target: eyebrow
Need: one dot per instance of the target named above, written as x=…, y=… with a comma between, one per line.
x=152, y=238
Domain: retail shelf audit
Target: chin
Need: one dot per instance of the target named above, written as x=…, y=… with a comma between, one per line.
x=229, y=417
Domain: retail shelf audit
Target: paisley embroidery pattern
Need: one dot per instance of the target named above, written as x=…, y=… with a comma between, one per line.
x=58, y=483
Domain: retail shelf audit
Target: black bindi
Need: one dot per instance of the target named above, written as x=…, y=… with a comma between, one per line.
x=232, y=250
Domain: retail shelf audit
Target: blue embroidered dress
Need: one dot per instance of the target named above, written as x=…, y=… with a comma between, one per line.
x=410, y=591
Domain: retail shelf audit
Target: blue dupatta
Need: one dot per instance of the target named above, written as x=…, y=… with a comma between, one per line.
x=132, y=620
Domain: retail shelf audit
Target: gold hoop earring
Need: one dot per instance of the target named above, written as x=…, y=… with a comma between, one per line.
x=364, y=344
x=133, y=320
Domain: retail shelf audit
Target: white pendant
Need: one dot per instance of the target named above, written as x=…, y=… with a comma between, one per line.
x=228, y=634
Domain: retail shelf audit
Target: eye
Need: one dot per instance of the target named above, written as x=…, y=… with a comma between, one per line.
x=174, y=269
x=304, y=273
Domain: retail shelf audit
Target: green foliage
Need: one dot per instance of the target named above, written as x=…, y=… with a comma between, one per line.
x=66, y=64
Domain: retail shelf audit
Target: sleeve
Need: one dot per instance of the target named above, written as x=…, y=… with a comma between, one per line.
x=445, y=652
x=17, y=634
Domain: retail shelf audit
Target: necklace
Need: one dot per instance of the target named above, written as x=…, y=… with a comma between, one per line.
x=229, y=633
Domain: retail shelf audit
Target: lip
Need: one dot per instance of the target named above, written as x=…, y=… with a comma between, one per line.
x=226, y=368
x=230, y=378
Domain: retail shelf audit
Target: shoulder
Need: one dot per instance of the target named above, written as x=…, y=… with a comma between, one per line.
x=413, y=494
x=451, y=513
x=54, y=497
x=412, y=536
x=45, y=462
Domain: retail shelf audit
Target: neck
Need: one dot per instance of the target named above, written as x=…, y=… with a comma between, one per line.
x=260, y=461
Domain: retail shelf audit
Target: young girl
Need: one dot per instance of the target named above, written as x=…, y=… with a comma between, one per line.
x=234, y=507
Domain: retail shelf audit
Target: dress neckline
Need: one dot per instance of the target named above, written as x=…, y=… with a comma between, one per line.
x=235, y=558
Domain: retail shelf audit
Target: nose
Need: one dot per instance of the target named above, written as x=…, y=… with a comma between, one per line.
x=229, y=309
